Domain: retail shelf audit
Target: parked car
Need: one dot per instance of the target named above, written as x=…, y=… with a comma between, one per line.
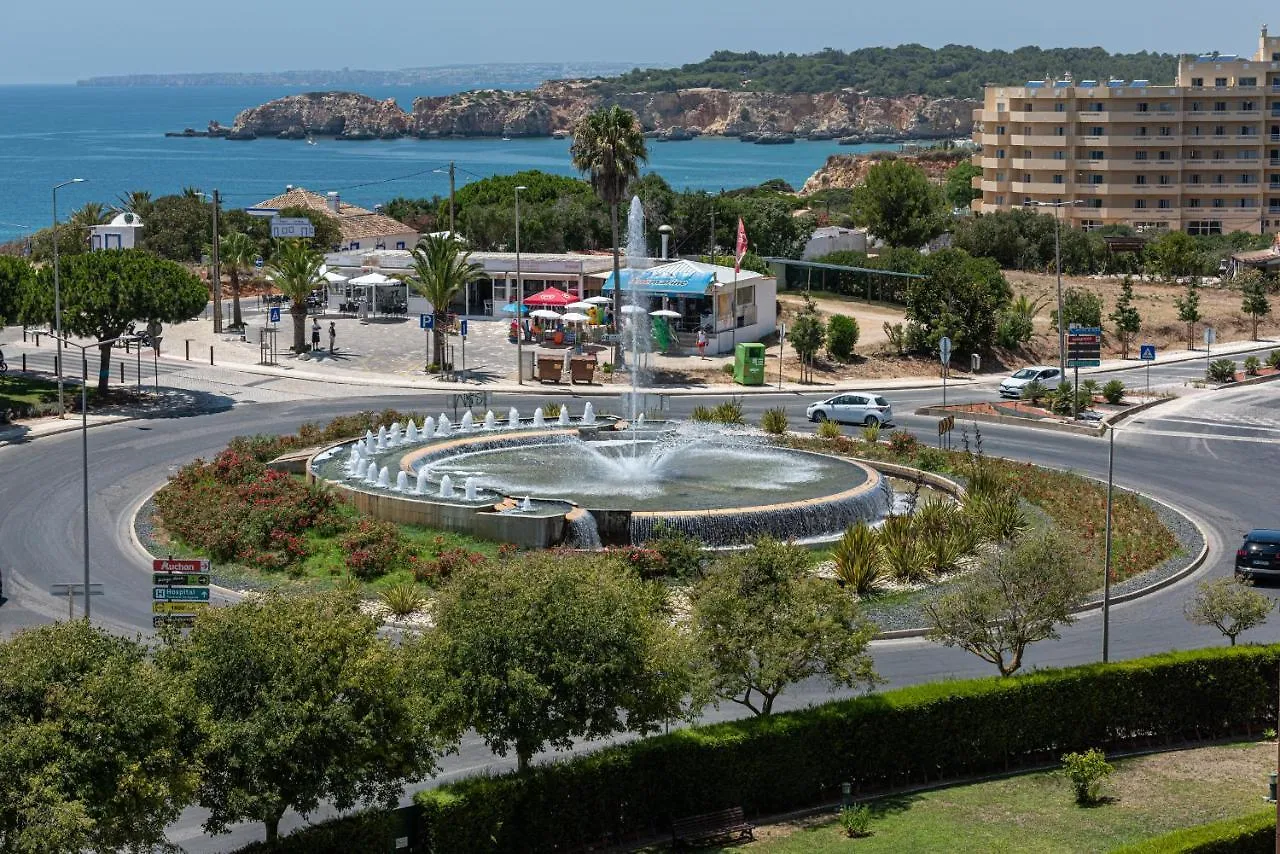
x=1259, y=555
x=852, y=408
x=1045, y=375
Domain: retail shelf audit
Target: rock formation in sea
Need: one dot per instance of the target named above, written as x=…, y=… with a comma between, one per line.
x=324, y=114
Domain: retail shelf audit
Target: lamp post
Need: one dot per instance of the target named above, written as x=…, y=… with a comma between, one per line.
x=1106, y=563
x=519, y=296
x=1057, y=259
x=215, y=275
x=57, y=291
x=450, y=172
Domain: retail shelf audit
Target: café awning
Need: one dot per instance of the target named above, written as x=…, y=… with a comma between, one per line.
x=683, y=278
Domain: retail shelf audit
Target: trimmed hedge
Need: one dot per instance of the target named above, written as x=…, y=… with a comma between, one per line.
x=1251, y=834
x=921, y=734
x=369, y=831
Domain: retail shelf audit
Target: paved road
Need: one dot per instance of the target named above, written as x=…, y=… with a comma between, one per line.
x=1214, y=467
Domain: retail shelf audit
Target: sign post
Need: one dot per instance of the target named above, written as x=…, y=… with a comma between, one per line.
x=427, y=322
x=462, y=330
x=782, y=341
x=1210, y=336
x=946, y=424
x=1147, y=353
x=944, y=352
x=1084, y=350
x=180, y=589
x=70, y=589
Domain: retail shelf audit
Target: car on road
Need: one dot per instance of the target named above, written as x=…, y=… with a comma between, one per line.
x=1047, y=376
x=852, y=408
x=1259, y=555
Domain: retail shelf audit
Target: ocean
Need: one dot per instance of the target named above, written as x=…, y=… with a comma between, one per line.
x=114, y=137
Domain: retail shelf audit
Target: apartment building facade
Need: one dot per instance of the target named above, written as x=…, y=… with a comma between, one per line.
x=1202, y=155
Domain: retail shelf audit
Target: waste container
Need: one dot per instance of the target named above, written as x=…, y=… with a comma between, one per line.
x=748, y=364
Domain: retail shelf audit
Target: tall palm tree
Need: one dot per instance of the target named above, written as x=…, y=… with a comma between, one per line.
x=237, y=251
x=90, y=213
x=608, y=147
x=295, y=270
x=135, y=201
x=441, y=267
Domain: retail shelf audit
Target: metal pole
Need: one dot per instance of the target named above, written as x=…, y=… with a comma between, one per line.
x=1106, y=567
x=1057, y=256
x=782, y=342
x=155, y=363
x=216, y=284
x=84, y=468
x=57, y=305
x=520, y=299
x=452, y=229
x=139, y=368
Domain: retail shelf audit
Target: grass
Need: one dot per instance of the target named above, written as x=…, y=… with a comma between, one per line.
x=1036, y=813
x=30, y=395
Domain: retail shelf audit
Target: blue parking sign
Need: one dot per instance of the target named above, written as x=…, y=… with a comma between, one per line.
x=462, y=328
x=1147, y=352
x=275, y=314
x=426, y=321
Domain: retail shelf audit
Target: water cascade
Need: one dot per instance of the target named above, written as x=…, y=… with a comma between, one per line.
x=588, y=414
x=468, y=422
x=537, y=418
x=489, y=420
x=581, y=532
x=564, y=416
x=402, y=481
x=446, y=487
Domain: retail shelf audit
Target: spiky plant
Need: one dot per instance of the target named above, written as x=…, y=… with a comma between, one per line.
x=997, y=516
x=403, y=599
x=905, y=557
x=859, y=560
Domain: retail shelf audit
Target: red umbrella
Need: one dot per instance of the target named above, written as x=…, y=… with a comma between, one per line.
x=550, y=296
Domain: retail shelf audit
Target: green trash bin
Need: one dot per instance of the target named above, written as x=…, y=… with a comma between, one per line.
x=748, y=364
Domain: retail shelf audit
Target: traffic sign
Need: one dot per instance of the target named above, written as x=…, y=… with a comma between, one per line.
x=177, y=607
x=944, y=349
x=180, y=578
x=946, y=425
x=1084, y=347
x=1210, y=336
x=1147, y=352
x=180, y=594
x=257, y=261
x=292, y=226
x=165, y=564
x=274, y=314
x=462, y=328
x=426, y=321
x=181, y=621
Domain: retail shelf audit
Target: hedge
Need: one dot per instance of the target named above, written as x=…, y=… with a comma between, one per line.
x=369, y=831
x=921, y=734
x=1251, y=834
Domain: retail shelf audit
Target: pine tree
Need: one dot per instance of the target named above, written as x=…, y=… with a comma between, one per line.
x=1255, y=303
x=1189, y=310
x=1125, y=317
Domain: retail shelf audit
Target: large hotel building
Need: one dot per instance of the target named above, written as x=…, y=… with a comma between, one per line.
x=1202, y=155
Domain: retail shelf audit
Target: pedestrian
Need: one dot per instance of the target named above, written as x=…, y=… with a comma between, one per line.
x=315, y=335
x=333, y=335
x=702, y=343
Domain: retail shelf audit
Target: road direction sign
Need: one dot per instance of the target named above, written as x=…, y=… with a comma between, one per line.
x=462, y=328
x=177, y=607
x=426, y=321
x=167, y=564
x=292, y=226
x=946, y=424
x=944, y=349
x=1210, y=336
x=195, y=579
x=180, y=594
x=274, y=314
x=181, y=621
x=1084, y=347
x=1147, y=352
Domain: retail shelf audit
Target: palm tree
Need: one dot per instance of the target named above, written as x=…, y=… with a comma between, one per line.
x=295, y=270
x=440, y=268
x=237, y=251
x=91, y=213
x=608, y=146
x=136, y=201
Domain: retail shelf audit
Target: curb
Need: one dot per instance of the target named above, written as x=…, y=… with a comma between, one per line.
x=1035, y=424
x=105, y=421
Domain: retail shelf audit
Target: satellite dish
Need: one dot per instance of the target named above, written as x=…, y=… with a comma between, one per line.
x=128, y=218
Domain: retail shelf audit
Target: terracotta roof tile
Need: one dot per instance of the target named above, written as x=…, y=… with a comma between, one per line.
x=355, y=222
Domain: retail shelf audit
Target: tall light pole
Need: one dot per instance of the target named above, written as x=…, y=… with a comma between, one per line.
x=57, y=294
x=1057, y=260
x=519, y=296
x=1106, y=563
x=215, y=274
x=450, y=172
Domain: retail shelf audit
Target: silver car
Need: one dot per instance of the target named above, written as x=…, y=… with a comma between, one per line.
x=1047, y=376
x=852, y=408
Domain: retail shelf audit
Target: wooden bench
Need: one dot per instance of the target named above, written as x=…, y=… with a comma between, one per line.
x=711, y=826
x=550, y=368
x=582, y=370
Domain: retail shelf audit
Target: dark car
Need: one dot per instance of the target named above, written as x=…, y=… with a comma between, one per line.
x=1259, y=555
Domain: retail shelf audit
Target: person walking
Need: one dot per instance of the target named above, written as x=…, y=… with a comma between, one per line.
x=315, y=334
x=702, y=343
x=333, y=335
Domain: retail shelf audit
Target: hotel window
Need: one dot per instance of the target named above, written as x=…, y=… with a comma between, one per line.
x=1193, y=203
x=1140, y=132
x=1096, y=107
x=1140, y=155
x=1220, y=82
x=1027, y=108
x=1059, y=107
x=399, y=245
x=1275, y=181
x=1197, y=81
x=1165, y=180
x=1219, y=106
x=1059, y=131
x=1095, y=179
x=1097, y=130
x=1000, y=108
x=1057, y=179
x=1165, y=130
x=1245, y=130
x=1059, y=154
x=999, y=177
x=1140, y=180
x=1219, y=130
x=1090, y=224
x=1196, y=107
x=1246, y=81
x=1141, y=107
x=999, y=156
x=1165, y=204
x=1248, y=106
x=1219, y=203
x=1219, y=155
x=1139, y=204
x=1194, y=179
x=1246, y=178
x=1165, y=155
x=999, y=200
x=1093, y=203
x=1097, y=155
x=1000, y=131
x=1219, y=179
x=1204, y=226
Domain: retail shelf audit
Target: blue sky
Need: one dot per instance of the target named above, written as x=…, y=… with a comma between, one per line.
x=47, y=42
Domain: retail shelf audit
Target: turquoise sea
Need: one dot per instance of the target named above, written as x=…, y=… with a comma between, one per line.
x=115, y=138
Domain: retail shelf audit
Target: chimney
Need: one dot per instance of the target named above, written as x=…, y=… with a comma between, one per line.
x=333, y=202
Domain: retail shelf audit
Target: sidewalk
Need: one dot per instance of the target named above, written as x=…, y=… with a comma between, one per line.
x=25, y=431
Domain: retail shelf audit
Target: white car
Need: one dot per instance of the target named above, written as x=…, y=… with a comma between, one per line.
x=852, y=408
x=1047, y=376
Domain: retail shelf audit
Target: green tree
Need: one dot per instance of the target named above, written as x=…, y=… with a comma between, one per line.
x=137, y=202
x=552, y=649
x=178, y=227
x=301, y=701
x=237, y=253
x=103, y=292
x=1081, y=308
x=441, y=267
x=1229, y=606
x=96, y=750
x=1188, y=306
x=1125, y=317
x=898, y=204
x=1254, y=301
x=842, y=336
x=295, y=270
x=1173, y=255
x=762, y=622
x=806, y=334
x=16, y=281
x=958, y=184
x=960, y=296
x=88, y=215
x=608, y=147
x=328, y=233
x=1013, y=601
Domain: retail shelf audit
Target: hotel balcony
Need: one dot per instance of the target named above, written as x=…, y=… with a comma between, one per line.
x=1042, y=163
x=1050, y=140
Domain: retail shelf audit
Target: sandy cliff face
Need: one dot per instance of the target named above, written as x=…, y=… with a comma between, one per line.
x=553, y=108
x=846, y=171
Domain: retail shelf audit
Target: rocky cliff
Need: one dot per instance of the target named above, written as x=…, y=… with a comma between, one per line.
x=846, y=171
x=553, y=107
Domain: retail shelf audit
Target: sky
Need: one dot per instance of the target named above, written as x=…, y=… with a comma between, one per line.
x=73, y=39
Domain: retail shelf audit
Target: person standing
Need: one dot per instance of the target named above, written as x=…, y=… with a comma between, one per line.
x=702, y=343
x=333, y=335
x=315, y=334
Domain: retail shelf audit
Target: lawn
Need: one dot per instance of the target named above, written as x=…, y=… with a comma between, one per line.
x=31, y=396
x=1146, y=796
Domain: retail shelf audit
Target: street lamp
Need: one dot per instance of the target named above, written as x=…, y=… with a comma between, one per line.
x=450, y=173
x=1106, y=562
x=1057, y=258
x=215, y=275
x=57, y=291
x=519, y=296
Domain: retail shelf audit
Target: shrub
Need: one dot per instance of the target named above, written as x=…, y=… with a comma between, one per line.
x=701, y=413
x=996, y=516
x=1251, y=834
x=373, y=548
x=1221, y=371
x=905, y=555
x=1080, y=307
x=774, y=421
x=842, y=336
x=829, y=430
x=855, y=821
x=1086, y=772
x=1089, y=387
x=727, y=369
x=1068, y=400
x=1252, y=364
x=871, y=433
x=682, y=556
x=365, y=831
x=403, y=599
x=725, y=412
x=1273, y=359
x=1113, y=391
x=903, y=443
x=1033, y=392
x=859, y=559
x=551, y=410
x=931, y=459
x=896, y=334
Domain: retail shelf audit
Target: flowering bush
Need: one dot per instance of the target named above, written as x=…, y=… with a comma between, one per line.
x=903, y=443
x=373, y=548
x=444, y=561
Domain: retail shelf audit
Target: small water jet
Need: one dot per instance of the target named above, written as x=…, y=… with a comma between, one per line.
x=411, y=434
x=588, y=414
x=489, y=420
x=563, y=420
x=469, y=488
x=382, y=439
x=369, y=446
x=468, y=422
x=384, y=478
x=371, y=473
x=526, y=505
x=443, y=426
x=537, y=418
x=402, y=481
x=428, y=428
x=446, y=487
x=513, y=417
x=421, y=487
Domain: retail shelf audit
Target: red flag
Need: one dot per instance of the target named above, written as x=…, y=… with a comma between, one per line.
x=741, y=249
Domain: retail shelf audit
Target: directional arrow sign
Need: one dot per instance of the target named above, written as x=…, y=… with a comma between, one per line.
x=200, y=564
x=177, y=607
x=180, y=578
x=182, y=621
x=180, y=594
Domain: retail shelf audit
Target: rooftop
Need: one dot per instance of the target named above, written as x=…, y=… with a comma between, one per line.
x=355, y=222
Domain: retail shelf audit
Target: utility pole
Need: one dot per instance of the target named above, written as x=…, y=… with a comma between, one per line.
x=216, y=283
x=452, y=226
x=1106, y=564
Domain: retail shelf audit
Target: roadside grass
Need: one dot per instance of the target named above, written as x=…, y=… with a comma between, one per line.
x=1035, y=813
x=31, y=396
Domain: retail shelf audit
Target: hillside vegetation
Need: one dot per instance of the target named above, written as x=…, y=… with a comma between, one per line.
x=953, y=70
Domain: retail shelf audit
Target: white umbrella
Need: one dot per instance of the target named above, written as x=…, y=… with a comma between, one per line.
x=599, y=300
x=374, y=279
x=665, y=312
x=334, y=278
x=545, y=313
x=633, y=309
x=580, y=306
x=574, y=317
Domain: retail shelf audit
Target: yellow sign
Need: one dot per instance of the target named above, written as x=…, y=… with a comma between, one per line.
x=177, y=607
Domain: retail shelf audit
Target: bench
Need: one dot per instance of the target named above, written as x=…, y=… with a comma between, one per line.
x=582, y=370
x=711, y=826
